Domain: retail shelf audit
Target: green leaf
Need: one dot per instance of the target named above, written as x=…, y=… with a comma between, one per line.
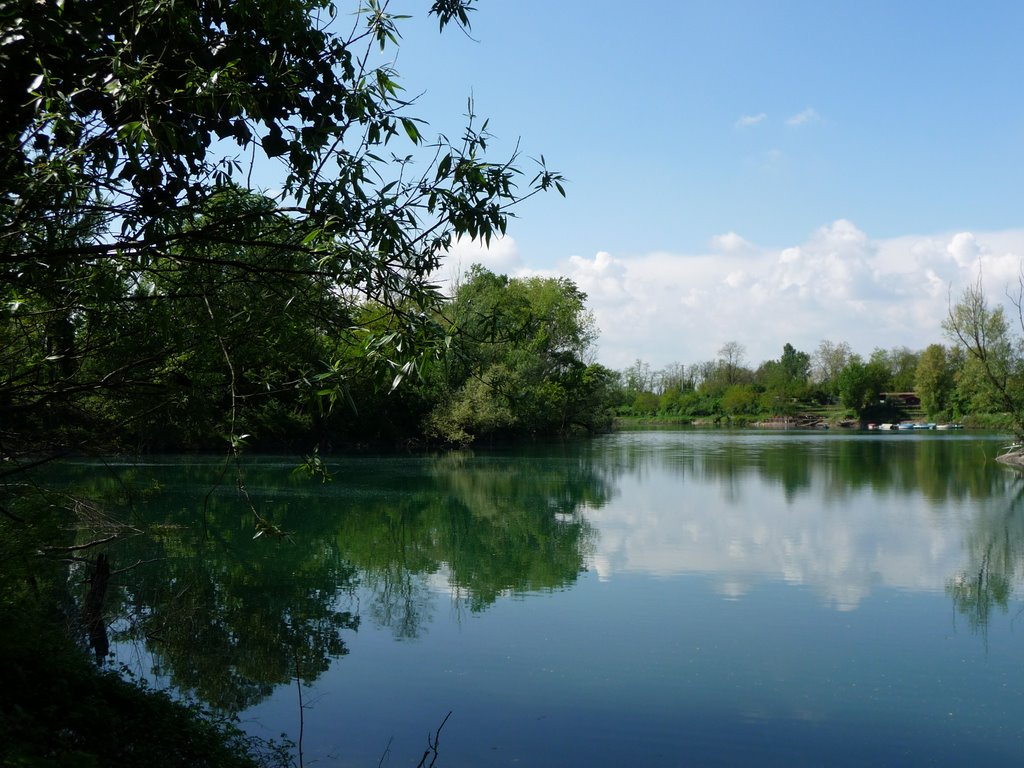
x=411, y=130
x=445, y=166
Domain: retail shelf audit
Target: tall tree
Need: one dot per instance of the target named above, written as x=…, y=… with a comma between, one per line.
x=828, y=361
x=732, y=358
x=784, y=380
x=795, y=364
x=933, y=381
x=638, y=378
x=994, y=368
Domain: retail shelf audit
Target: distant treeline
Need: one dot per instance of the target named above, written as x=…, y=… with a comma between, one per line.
x=949, y=382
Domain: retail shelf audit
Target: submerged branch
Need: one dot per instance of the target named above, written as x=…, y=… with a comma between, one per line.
x=432, y=745
x=78, y=547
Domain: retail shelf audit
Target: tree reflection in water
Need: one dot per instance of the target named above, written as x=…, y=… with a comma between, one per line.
x=995, y=563
x=228, y=617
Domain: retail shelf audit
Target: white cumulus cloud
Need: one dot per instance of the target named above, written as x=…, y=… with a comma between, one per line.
x=501, y=256
x=730, y=242
x=838, y=284
x=964, y=248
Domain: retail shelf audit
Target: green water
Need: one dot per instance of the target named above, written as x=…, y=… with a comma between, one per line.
x=646, y=598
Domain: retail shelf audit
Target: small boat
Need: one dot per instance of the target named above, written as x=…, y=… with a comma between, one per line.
x=949, y=426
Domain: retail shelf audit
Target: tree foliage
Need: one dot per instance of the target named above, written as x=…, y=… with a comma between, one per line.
x=992, y=377
x=732, y=362
x=784, y=381
x=934, y=379
x=860, y=384
x=144, y=266
x=901, y=366
x=828, y=361
x=518, y=361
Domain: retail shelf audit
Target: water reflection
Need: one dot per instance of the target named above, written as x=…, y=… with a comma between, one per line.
x=834, y=464
x=994, y=565
x=230, y=617
x=225, y=616
x=490, y=525
x=842, y=515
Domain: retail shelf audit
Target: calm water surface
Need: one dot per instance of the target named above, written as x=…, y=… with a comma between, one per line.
x=647, y=598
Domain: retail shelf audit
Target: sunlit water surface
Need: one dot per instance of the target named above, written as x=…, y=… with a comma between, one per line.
x=646, y=598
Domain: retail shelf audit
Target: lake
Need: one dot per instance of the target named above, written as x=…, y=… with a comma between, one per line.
x=661, y=598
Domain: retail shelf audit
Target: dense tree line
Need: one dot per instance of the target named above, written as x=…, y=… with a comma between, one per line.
x=979, y=376
x=154, y=298
x=202, y=346
x=728, y=387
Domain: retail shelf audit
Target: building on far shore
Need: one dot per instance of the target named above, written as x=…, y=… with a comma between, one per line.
x=905, y=399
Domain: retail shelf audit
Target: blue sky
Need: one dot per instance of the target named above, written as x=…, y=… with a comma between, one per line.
x=760, y=172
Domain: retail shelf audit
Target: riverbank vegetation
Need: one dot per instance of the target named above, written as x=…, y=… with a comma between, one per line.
x=977, y=380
